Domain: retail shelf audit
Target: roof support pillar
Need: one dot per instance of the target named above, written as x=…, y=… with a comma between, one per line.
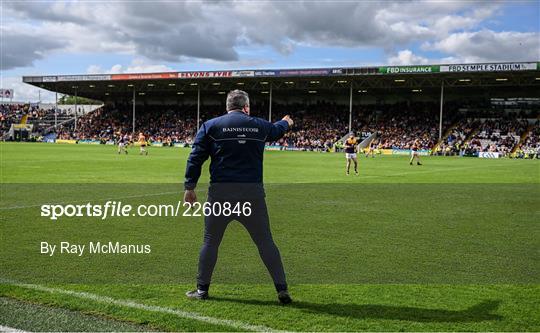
x=198, y=106
x=55, y=110
x=350, y=107
x=270, y=104
x=76, y=107
x=133, y=101
x=441, y=110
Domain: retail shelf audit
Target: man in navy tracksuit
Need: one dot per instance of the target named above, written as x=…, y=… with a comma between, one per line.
x=235, y=143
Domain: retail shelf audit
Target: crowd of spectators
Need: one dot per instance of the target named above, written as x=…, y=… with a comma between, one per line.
x=318, y=126
x=455, y=142
x=10, y=114
x=35, y=115
x=398, y=126
x=158, y=124
x=497, y=135
x=313, y=130
x=14, y=113
x=530, y=147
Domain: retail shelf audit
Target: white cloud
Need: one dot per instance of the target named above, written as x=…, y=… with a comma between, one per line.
x=94, y=69
x=137, y=66
x=407, y=57
x=20, y=48
x=194, y=31
x=487, y=45
x=218, y=32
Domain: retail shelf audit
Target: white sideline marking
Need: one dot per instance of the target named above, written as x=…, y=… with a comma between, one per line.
x=11, y=330
x=83, y=201
x=153, y=308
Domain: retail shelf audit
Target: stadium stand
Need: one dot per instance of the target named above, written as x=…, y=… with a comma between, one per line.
x=529, y=147
x=400, y=125
x=318, y=127
x=41, y=118
x=459, y=133
x=498, y=135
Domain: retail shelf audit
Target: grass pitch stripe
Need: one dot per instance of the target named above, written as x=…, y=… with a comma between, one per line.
x=238, y=325
x=10, y=330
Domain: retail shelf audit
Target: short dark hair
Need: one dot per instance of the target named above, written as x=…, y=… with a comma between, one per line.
x=237, y=99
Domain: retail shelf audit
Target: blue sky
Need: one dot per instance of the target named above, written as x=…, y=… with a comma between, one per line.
x=116, y=37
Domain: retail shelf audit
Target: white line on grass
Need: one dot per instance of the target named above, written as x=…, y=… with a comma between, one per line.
x=10, y=329
x=238, y=325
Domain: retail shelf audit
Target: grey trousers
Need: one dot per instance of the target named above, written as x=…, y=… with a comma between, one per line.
x=258, y=226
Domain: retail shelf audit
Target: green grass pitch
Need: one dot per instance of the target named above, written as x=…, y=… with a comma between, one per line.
x=452, y=245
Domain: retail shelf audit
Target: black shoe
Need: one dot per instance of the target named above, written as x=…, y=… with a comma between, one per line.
x=195, y=294
x=284, y=297
x=418, y=163
x=410, y=163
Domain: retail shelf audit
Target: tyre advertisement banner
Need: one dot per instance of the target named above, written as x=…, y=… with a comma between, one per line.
x=204, y=74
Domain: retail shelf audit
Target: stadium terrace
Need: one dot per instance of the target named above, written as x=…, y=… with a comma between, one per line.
x=484, y=107
x=175, y=87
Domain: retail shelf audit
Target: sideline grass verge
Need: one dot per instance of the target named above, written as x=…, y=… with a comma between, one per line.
x=319, y=307
x=39, y=318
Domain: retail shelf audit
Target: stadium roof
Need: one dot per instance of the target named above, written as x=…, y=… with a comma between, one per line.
x=112, y=86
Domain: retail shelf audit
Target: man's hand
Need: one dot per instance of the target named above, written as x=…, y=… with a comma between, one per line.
x=190, y=196
x=288, y=119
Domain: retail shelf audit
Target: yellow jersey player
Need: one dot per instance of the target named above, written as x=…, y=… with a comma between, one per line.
x=350, y=153
x=142, y=144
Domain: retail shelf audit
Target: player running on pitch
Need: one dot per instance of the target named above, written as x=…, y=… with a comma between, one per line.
x=414, y=152
x=123, y=141
x=350, y=153
x=371, y=149
x=142, y=144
